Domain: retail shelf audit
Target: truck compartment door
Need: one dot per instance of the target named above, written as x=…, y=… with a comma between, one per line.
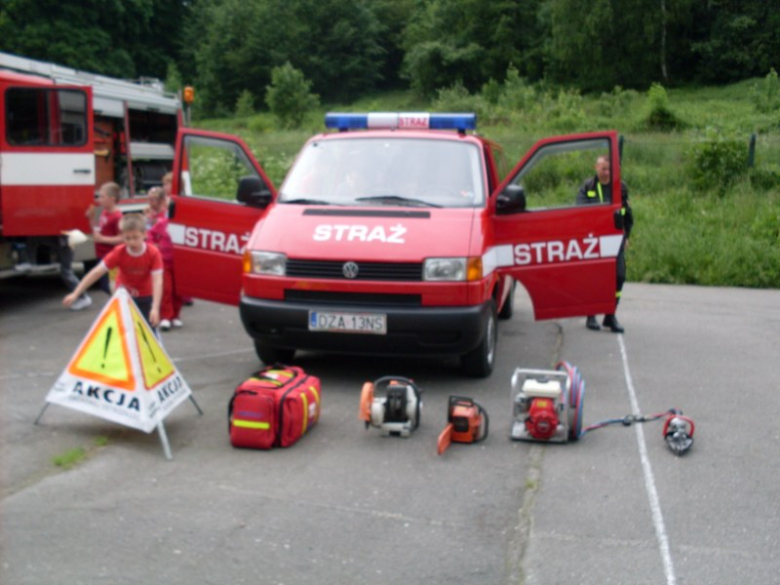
x=564, y=253
x=219, y=192
x=47, y=163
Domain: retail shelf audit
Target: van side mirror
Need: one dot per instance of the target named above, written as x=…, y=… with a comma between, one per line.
x=253, y=192
x=511, y=199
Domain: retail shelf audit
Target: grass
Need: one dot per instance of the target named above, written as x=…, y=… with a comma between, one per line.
x=724, y=235
x=70, y=458
x=74, y=456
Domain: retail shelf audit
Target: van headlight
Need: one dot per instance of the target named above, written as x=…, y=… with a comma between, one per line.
x=268, y=263
x=452, y=269
x=444, y=269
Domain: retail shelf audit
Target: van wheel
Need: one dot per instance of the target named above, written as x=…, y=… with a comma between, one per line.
x=479, y=362
x=509, y=305
x=273, y=355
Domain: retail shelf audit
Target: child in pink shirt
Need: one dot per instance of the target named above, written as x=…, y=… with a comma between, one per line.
x=157, y=234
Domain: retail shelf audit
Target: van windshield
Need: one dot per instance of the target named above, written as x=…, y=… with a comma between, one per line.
x=410, y=172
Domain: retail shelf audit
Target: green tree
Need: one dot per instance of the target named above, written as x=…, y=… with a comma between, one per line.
x=289, y=95
x=737, y=39
x=337, y=46
x=611, y=42
x=392, y=16
x=470, y=41
x=173, y=82
x=219, y=37
x=120, y=38
x=236, y=43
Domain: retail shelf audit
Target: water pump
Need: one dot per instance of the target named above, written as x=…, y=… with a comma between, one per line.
x=547, y=404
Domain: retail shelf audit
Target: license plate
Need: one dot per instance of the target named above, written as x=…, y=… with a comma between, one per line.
x=375, y=323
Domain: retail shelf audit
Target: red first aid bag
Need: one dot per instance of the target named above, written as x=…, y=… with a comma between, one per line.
x=273, y=408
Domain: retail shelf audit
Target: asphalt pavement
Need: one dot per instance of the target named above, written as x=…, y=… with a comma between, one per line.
x=346, y=505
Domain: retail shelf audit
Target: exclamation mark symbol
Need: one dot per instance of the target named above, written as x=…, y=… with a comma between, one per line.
x=105, y=347
x=146, y=341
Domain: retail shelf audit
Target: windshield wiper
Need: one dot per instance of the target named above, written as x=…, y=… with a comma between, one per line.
x=304, y=201
x=398, y=199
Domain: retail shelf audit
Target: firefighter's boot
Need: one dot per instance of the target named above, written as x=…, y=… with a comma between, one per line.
x=611, y=322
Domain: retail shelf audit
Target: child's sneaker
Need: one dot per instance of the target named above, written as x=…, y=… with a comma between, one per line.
x=177, y=323
x=81, y=303
x=165, y=325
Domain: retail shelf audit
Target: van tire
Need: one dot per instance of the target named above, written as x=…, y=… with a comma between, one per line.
x=509, y=305
x=479, y=362
x=273, y=355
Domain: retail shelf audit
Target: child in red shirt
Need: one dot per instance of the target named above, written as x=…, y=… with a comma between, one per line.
x=157, y=234
x=140, y=269
x=106, y=233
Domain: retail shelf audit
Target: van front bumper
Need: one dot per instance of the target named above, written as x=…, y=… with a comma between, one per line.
x=410, y=330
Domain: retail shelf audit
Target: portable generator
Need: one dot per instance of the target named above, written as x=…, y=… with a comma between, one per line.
x=547, y=404
x=397, y=413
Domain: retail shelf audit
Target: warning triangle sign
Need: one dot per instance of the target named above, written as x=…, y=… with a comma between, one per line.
x=155, y=364
x=104, y=355
x=121, y=370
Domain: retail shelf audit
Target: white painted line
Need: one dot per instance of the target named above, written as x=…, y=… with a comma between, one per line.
x=652, y=493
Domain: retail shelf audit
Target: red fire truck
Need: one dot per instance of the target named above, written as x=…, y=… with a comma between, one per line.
x=394, y=234
x=63, y=133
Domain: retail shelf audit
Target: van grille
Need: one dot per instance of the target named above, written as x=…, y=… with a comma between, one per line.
x=374, y=300
x=334, y=269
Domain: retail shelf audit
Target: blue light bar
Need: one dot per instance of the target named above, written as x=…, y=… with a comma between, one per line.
x=459, y=122
x=346, y=121
x=402, y=120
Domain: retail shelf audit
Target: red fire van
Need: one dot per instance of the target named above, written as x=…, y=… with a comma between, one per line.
x=394, y=234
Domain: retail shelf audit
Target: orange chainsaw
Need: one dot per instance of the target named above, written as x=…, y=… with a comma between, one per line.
x=467, y=423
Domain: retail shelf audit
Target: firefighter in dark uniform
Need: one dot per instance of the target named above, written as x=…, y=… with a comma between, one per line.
x=598, y=189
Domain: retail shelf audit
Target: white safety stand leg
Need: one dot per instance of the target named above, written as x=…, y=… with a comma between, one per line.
x=160, y=341
x=164, y=440
x=200, y=412
x=45, y=406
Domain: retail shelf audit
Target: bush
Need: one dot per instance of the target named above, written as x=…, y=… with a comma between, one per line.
x=564, y=112
x=764, y=179
x=245, y=104
x=259, y=123
x=766, y=94
x=491, y=91
x=659, y=116
x=616, y=101
x=516, y=93
x=289, y=95
x=458, y=99
x=717, y=162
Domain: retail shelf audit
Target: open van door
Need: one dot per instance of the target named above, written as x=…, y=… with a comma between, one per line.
x=219, y=192
x=563, y=253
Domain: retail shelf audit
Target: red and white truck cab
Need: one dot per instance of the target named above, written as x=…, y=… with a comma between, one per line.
x=393, y=234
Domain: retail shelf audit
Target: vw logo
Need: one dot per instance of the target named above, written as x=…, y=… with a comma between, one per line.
x=350, y=269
